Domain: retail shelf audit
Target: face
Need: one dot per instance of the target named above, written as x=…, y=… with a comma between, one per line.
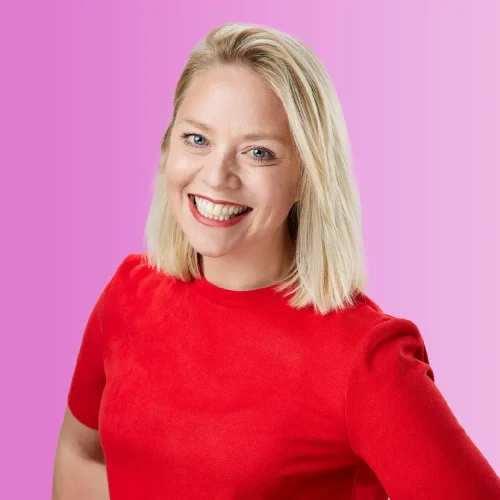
x=232, y=171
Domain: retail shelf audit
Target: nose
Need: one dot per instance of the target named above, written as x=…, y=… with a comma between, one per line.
x=221, y=172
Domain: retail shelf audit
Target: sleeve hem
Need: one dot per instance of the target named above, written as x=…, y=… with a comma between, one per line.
x=79, y=414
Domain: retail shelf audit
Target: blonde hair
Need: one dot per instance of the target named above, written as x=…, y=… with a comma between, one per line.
x=328, y=268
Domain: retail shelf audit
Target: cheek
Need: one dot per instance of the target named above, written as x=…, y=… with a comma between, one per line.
x=178, y=172
x=175, y=180
x=276, y=195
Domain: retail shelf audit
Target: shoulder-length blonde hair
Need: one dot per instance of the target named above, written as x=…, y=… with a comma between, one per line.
x=328, y=269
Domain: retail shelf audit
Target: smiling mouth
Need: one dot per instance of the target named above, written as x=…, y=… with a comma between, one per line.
x=218, y=211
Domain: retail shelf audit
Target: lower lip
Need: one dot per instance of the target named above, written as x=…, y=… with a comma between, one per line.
x=214, y=223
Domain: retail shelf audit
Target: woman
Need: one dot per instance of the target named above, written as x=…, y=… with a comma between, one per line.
x=238, y=358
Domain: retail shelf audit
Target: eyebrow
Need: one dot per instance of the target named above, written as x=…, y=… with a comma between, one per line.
x=250, y=137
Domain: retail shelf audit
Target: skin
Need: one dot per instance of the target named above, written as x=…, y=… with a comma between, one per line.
x=219, y=162
x=79, y=470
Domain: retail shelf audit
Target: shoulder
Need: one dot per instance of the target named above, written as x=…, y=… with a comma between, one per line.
x=135, y=280
x=130, y=266
x=381, y=321
x=366, y=325
x=387, y=338
x=359, y=318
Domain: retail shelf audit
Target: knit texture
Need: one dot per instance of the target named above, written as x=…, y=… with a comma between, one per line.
x=199, y=392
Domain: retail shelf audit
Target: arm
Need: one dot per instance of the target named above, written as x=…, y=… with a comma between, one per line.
x=399, y=423
x=79, y=467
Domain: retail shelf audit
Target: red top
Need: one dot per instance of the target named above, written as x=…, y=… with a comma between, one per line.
x=205, y=393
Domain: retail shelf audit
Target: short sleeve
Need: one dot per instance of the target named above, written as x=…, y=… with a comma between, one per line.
x=88, y=380
x=399, y=423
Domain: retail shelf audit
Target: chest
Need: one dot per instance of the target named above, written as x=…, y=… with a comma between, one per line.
x=214, y=402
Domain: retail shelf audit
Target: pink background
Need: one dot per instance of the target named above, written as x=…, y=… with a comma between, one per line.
x=86, y=96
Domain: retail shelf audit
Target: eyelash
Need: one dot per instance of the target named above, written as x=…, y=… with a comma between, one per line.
x=259, y=160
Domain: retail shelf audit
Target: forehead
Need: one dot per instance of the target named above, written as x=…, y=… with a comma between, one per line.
x=235, y=98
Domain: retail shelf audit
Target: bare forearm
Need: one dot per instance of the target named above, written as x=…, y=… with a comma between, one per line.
x=78, y=478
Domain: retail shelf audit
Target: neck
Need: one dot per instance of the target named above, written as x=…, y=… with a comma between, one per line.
x=250, y=268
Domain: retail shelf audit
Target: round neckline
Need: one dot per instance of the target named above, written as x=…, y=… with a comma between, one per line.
x=240, y=298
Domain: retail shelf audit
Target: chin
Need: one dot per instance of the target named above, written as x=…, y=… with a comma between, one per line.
x=211, y=255
x=210, y=249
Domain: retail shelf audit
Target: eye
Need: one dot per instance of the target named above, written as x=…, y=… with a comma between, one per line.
x=199, y=142
x=197, y=137
x=259, y=158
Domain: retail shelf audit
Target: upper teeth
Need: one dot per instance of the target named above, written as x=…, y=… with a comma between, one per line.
x=217, y=211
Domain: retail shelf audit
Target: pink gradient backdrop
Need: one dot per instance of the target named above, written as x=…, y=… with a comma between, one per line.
x=86, y=96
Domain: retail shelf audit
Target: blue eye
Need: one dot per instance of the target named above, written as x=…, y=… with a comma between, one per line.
x=185, y=136
x=261, y=158
x=196, y=144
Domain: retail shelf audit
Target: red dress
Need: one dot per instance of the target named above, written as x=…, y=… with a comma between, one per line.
x=204, y=393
